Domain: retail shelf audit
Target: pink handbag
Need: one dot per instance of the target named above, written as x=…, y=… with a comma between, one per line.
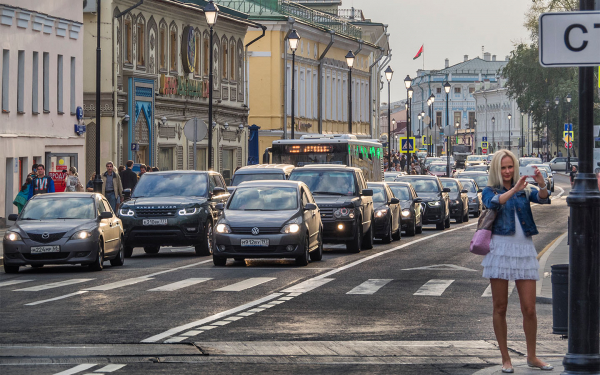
x=480, y=244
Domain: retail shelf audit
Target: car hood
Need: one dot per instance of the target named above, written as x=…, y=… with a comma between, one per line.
x=334, y=200
x=52, y=226
x=237, y=218
x=156, y=202
x=405, y=204
x=472, y=195
x=428, y=197
x=379, y=206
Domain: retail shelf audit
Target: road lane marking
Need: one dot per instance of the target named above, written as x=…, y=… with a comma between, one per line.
x=442, y=267
x=53, y=285
x=370, y=286
x=488, y=290
x=180, y=284
x=119, y=284
x=308, y=285
x=211, y=318
x=245, y=284
x=433, y=287
x=562, y=191
x=13, y=282
x=110, y=368
x=56, y=298
x=179, y=268
x=76, y=369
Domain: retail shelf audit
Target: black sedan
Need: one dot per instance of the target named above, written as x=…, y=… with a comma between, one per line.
x=480, y=177
x=269, y=219
x=387, y=212
x=431, y=191
x=64, y=228
x=459, y=200
x=474, y=194
x=412, y=207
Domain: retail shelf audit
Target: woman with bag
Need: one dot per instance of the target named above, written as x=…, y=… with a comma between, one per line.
x=72, y=181
x=512, y=254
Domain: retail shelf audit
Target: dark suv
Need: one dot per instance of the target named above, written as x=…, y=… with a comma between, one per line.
x=173, y=208
x=436, y=209
x=345, y=203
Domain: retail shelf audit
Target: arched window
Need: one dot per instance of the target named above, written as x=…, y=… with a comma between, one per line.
x=140, y=41
x=127, y=41
x=225, y=58
x=232, y=60
x=173, y=44
x=205, y=53
x=163, y=42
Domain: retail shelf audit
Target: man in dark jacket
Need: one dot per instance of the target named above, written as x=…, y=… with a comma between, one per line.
x=41, y=184
x=129, y=178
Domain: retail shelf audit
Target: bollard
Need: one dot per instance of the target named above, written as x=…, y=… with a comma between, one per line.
x=560, y=299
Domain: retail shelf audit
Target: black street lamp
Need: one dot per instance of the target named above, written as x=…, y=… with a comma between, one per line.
x=522, y=141
x=447, y=90
x=98, y=179
x=388, y=75
x=409, y=93
x=557, y=102
x=547, y=112
x=350, y=61
x=493, y=134
x=568, y=122
x=509, y=132
x=293, y=39
x=430, y=108
x=475, y=138
x=421, y=126
x=211, y=12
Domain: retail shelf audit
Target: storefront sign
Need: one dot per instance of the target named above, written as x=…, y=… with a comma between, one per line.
x=180, y=86
x=59, y=180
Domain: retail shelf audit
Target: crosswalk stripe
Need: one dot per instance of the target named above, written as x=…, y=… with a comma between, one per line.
x=53, y=285
x=433, y=287
x=13, y=282
x=119, y=284
x=488, y=290
x=307, y=286
x=179, y=284
x=76, y=369
x=56, y=298
x=246, y=284
x=110, y=368
x=370, y=286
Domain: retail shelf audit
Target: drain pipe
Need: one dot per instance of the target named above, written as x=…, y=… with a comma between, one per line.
x=320, y=80
x=285, y=82
x=247, y=65
x=371, y=88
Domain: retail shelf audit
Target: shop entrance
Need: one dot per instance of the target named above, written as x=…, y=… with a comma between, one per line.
x=57, y=167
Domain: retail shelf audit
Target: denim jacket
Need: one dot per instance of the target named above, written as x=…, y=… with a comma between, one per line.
x=505, y=220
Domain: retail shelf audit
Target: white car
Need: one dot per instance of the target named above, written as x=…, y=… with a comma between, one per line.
x=475, y=160
x=560, y=164
x=548, y=170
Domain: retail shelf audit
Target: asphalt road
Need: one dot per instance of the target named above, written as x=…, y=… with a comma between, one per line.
x=407, y=307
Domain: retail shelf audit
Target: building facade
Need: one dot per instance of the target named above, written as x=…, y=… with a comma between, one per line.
x=41, y=88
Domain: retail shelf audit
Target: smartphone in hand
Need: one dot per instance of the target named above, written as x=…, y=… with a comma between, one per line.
x=527, y=171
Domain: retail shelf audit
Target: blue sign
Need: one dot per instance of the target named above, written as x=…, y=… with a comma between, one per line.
x=408, y=144
x=79, y=113
x=135, y=147
x=79, y=129
x=483, y=139
x=568, y=127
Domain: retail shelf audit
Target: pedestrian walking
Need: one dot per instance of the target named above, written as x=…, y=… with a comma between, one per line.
x=112, y=188
x=573, y=174
x=120, y=170
x=402, y=162
x=72, y=182
x=90, y=184
x=512, y=253
x=41, y=184
x=129, y=178
x=21, y=198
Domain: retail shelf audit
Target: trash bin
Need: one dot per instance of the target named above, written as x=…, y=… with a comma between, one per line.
x=560, y=299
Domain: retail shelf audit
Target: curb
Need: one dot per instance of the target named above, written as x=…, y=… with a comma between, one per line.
x=543, y=258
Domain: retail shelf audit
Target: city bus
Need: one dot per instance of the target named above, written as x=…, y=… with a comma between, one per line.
x=343, y=149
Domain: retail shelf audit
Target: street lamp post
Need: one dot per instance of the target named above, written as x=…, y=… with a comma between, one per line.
x=522, y=140
x=509, y=132
x=98, y=179
x=547, y=112
x=475, y=138
x=211, y=12
x=493, y=134
x=409, y=93
x=430, y=125
x=421, y=126
x=447, y=90
x=293, y=40
x=557, y=102
x=394, y=127
x=388, y=75
x=419, y=117
x=568, y=122
x=350, y=61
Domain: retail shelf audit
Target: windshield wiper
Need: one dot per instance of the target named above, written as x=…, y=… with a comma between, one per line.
x=65, y=218
x=327, y=192
x=28, y=218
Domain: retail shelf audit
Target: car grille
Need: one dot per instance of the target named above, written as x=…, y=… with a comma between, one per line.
x=155, y=212
x=46, y=256
x=326, y=213
x=248, y=230
x=37, y=237
x=250, y=249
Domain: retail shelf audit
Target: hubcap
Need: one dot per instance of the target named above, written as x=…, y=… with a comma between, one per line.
x=209, y=235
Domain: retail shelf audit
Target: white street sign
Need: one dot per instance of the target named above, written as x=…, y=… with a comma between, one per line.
x=570, y=39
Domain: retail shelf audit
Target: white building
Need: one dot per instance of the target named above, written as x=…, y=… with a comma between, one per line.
x=41, y=86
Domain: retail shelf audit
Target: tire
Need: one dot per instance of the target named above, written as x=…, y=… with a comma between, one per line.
x=412, y=228
x=208, y=241
x=98, y=264
x=10, y=269
x=440, y=226
x=354, y=245
x=151, y=249
x=305, y=257
x=317, y=255
x=367, y=242
x=219, y=261
x=419, y=229
x=552, y=188
x=478, y=213
x=388, y=238
x=460, y=218
x=120, y=258
x=398, y=235
x=447, y=222
x=466, y=217
x=128, y=251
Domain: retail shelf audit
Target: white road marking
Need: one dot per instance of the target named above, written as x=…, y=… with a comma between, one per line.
x=52, y=285
x=488, y=290
x=221, y=323
x=308, y=285
x=56, y=298
x=179, y=268
x=370, y=286
x=562, y=191
x=110, y=368
x=175, y=339
x=211, y=318
x=442, y=267
x=246, y=284
x=119, y=284
x=433, y=287
x=179, y=284
x=76, y=369
x=13, y=282
x=191, y=333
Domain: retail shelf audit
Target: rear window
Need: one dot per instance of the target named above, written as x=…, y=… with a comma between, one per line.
x=452, y=185
x=422, y=185
x=239, y=178
x=327, y=182
x=400, y=192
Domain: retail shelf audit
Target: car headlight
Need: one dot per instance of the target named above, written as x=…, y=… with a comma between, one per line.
x=81, y=235
x=406, y=212
x=434, y=204
x=12, y=236
x=290, y=228
x=188, y=211
x=126, y=211
x=344, y=212
x=381, y=213
x=223, y=228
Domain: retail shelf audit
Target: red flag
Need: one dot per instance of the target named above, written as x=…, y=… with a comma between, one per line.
x=419, y=53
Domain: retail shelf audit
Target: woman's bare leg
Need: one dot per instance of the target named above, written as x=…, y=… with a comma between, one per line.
x=526, y=290
x=500, y=300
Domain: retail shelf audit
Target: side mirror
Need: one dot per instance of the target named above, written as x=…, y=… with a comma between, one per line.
x=217, y=190
x=231, y=189
x=310, y=207
x=446, y=190
x=394, y=201
x=367, y=193
x=220, y=206
x=106, y=215
x=480, y=191
x=464, y=191
x=13, y=217
x=418, y=200
x=126, y=194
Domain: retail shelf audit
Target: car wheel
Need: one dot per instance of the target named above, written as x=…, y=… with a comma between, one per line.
x=460, y=218
x=305, y=257
x=388, y=236
x=128, y=251
x=412, y=228
x=447, y=222
x=367, y=242
x=466, y=217
x=477, y=213
x=151, y=249
x=99, y=262
x=552, y=188
x=10, y=269
x=398, y=235
x=219, y=261
x=353, y=246
x=419, y=229
x=317, y=255
x=120, y=258
x=206, y=246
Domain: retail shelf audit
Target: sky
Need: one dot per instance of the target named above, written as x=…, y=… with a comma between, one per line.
x=448, y=29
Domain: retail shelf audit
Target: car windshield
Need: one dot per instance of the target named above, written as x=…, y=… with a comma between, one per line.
x=59, y=208
x=239, y=178
x=437, y=168
x=326, y=181
x=400, y=192
x=422, y=185
x=525, y=162
x=264, y=199
x=481, y=179
x=432, y=160
x=172, y=184
x=475, y=158
x=378, y=194
x=452, y=185
x=469, y=186
x=390, y=178
x=476, y=168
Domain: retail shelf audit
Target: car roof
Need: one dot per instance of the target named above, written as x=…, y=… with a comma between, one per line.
x=328, y=166
x=399, y=183
x=418, y=176
x=182, y=172
x=265, y=168
x=271, y=183
x=376, y=183
x=67, y=195
x=474, y=173
x=448, y=178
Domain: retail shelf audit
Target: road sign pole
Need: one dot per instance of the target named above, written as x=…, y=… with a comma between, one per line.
x=583, y=355
x=195, y=139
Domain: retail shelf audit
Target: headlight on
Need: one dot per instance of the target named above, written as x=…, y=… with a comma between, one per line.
x=126, y=212
x=188, y=211
x=12, y=236
x=380, y=213
x=434, y=204
x=223, y=228
x=344, y=212
x=290, y=228
x=406, y=212
x=81, y=235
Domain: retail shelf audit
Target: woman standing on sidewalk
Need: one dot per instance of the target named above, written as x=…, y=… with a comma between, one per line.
x=512, y=254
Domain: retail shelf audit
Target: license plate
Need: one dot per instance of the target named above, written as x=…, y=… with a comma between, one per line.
x=45, y=249
x=154, y=221
x=255, y=242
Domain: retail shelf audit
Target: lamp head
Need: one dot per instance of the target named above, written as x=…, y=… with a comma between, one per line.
x=407, y=81
x=475, y=122
x=389, y=73
x=241, y=126
x=457, y=124
x=447, y=87
x=350, y=59
x=509, y=116
x=493, y=120
x=211, y=12
x=126, y=119
x=226, y=126
x=568, y=98
x=547, y=103
x=394, y=121
x=556, y=100
x=419, y=116
x=293, y=39
x=432, y=97
x=410, y=92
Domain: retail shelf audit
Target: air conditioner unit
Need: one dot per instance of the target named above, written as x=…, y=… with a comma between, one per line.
x=90, y=6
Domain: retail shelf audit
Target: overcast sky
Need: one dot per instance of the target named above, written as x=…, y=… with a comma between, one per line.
x=448, y=28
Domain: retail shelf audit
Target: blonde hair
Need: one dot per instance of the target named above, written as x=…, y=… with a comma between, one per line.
x=495, y=175
x=73, y=170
